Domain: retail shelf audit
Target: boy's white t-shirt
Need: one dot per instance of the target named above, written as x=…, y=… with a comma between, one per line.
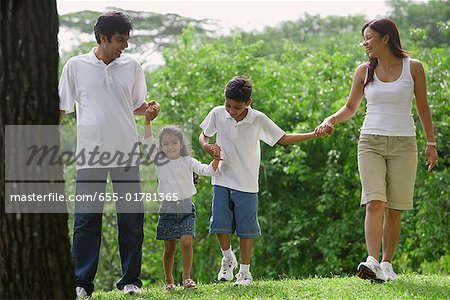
x=175, y=175
x=240, y=145
x=105, y=97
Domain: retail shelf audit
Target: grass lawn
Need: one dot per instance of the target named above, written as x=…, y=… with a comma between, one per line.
x=410, y=286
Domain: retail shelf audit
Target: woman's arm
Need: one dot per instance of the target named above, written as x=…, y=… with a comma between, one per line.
x=423, y=110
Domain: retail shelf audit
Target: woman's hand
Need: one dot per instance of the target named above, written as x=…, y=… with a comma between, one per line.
x=325, y=128
x=431, y=157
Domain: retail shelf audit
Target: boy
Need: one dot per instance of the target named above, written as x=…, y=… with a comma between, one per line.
x=239, y=129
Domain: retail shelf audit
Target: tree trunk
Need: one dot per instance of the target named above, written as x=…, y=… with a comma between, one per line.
x=35, y=259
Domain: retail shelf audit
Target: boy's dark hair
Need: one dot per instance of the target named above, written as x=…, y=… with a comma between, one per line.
x=112, y=22
x=238, y=89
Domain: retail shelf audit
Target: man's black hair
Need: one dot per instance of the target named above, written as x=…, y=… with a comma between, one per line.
x=112, y=22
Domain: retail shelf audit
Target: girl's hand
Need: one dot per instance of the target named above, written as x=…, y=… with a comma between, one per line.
x=431, y=157
x=213, y=150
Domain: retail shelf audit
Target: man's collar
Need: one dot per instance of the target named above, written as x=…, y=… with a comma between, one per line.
x=94, y=59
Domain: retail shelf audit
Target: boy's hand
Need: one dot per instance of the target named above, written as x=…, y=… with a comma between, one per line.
x=213, y=150
x=216, y=151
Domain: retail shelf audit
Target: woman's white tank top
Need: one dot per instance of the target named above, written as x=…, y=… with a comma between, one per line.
x=389, y=104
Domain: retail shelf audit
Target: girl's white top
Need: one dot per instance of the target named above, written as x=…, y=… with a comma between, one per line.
x=389, y=104
x=175, y=175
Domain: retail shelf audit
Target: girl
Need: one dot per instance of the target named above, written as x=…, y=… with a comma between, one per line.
x=176, y=188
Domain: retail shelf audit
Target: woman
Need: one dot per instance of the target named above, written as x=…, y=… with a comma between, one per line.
x=387, y=149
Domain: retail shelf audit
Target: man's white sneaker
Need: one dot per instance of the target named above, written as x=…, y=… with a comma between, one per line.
x=370, y=269
x=81, y=293
x=227, y=267
x=388, y=272
x=131, y=289
x=243, y=278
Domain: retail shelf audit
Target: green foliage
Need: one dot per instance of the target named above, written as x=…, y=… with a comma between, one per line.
x=151, y=31
x=311, y=32
x=426, y=22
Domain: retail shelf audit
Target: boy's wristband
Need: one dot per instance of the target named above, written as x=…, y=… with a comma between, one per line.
x=431, y=144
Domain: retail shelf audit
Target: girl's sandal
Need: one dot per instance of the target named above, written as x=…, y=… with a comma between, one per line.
x=189, y=284
x=170, y=287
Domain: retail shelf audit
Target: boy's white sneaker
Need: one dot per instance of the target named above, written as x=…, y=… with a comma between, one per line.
x=227, y=267
x=370, y=269
x=243, y=278
x=388, y=271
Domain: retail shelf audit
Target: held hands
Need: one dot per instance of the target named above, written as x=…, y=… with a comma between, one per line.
x=152, y=111
x=213, y=150
x=324, y=129
x=431, y=157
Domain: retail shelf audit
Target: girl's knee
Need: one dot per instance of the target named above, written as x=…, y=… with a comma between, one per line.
x=170, y=247
x=186, y=241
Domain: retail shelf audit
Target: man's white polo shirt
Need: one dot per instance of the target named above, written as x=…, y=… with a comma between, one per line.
x=240, y=144
x=105, y=97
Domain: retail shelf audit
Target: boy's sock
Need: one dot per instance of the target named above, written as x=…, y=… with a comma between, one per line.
x=244, y=268
x=227, y=253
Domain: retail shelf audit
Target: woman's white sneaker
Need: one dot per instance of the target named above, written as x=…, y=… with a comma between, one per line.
x=244, y=278
x=388, y=271
x=370, y=269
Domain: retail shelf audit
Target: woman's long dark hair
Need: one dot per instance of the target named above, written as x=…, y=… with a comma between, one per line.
x=384, y=27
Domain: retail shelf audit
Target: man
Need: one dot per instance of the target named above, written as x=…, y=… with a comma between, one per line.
x=107, y=88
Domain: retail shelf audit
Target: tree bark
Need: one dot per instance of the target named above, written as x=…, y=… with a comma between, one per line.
x=35, y=261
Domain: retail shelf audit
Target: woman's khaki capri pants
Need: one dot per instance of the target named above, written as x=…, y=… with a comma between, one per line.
x=387, y=168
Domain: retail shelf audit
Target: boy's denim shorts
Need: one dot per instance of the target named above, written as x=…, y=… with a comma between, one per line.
x=176, y=218
x=235, y=212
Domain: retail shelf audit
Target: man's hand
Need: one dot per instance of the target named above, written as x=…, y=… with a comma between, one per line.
x=152, y=111
x=144, y=107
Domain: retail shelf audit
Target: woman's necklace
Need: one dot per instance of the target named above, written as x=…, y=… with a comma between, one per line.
x=387, y=68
